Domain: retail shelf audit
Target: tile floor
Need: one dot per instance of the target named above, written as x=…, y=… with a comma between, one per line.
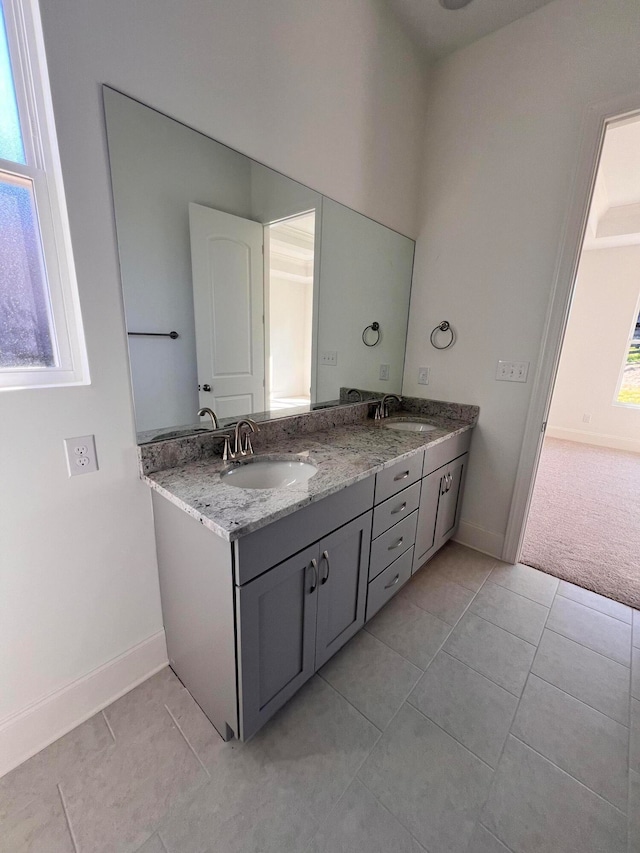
x=488, y=708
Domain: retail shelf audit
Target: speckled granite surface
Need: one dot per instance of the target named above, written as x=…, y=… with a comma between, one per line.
x=343, y=454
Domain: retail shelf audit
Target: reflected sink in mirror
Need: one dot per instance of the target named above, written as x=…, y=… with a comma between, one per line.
x=260, y=473
x=409, y=425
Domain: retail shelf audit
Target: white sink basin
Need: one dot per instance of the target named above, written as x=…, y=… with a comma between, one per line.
x=410, y=426
x=268, y=474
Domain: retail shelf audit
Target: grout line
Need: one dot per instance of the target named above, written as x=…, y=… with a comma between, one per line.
x=528, y=597
x=74, y=841
x=577, y=698
x=395, y=817
x=164, y=846
x=453, y=737
x=566, y=773
x=187, y=741
x=488, y=677
x=495, y=625
x=359, y=710
x=582, y=645
x=595, y=609
x=493, y=835
x=108, y=724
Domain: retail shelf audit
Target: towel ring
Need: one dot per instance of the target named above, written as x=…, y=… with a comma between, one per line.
x=445, y=326
x=375, y=327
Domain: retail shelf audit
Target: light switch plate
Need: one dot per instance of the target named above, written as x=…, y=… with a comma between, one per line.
x=384, y=371
x=81, y=455
x=512, y=371
x=423, y=375
x=329, y=357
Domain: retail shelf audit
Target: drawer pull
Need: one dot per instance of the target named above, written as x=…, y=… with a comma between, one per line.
x=313, y=565
x=402, y=476
x=325, y=557
x=393, y=582
x=396, y=544
x=399, y=509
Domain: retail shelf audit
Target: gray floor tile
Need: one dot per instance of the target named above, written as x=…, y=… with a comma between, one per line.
x=636, y=629
x=526, y=581
x=39, y=827
x=370, y=675
x=39, y=776
x=534, y=807
x=409, y=630
x=438, y=594
x=596, y=631
x=119, y=801
x=431, y=783
x=484, y=842
x=584, y=674
x=597, y=602
x=591, y=747
x=153, y=845
x=515, y=613
x=360, y=823
x=635, y=674
x=143, y=707
x=255, y=815
x=491, y=651
x=474, y=710
x=634, y=736
x=463, y=565
x=634, y=813
x=314, y=745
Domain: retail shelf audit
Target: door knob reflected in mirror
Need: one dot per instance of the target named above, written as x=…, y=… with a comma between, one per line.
x=204, y=387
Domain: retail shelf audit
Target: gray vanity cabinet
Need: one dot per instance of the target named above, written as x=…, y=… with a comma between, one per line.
x=342, y=592
x=295, y=616
x=439, y=513
x=276, y=637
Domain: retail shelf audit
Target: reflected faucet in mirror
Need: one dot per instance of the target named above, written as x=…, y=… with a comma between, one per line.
x=214, y=418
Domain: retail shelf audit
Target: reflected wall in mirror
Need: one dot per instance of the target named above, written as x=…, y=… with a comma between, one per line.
x=268, y=284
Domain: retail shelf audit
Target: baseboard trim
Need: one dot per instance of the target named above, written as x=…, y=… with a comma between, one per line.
x=480, y=539
x=26, y=732
x=596, y=438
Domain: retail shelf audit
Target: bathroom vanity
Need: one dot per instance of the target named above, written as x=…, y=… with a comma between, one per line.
x=260, y=587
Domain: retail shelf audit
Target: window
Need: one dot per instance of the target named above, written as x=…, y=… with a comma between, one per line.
x=41, y=339
x=629, y=391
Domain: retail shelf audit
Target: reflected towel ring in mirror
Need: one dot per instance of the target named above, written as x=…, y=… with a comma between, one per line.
x=375, y=327
x=445, y=326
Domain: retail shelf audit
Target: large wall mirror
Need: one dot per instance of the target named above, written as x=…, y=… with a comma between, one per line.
x=244, y=291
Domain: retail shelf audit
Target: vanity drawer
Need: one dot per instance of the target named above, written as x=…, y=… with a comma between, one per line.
x=395, y=509
x=388, y=583
x=439, y=455
x=387, y=547
x=398, y=477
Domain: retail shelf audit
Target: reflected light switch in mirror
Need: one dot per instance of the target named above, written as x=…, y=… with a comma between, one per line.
x=329, y=357
x=384, y=371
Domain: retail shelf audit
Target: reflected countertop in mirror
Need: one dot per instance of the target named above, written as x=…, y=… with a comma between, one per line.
x=273, y=291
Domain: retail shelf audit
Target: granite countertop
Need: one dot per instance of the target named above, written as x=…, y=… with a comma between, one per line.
x=343, y=456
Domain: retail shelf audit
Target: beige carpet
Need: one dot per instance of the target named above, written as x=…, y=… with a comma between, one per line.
x=584, y=524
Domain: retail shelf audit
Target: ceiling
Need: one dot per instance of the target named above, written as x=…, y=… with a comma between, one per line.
x=439, y=31
x=614, y=218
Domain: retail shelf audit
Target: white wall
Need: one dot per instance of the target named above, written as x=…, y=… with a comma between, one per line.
x=503, y=129
x=604, y=308
x=329, y=92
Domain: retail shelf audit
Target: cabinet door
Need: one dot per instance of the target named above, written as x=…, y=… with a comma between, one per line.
x=450, y=498
x=427, y=517
x=343, y=568
x=276, y=637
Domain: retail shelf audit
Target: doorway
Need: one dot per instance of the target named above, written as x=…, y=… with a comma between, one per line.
x=290, y=265
x=583, y=524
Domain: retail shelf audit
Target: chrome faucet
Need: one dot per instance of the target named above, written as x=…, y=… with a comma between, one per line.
x=242, y=440
x=383, y=409
x=212, y=415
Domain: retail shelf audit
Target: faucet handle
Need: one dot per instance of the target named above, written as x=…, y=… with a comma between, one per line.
x=247, y=447
x=227, y=453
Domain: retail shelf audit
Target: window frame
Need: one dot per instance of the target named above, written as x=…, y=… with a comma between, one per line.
x=43, y=169
x=630, y=338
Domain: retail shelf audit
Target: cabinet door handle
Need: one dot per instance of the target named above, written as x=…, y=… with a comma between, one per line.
x=402, y=476
x=325, y=557
x=449, y=481
x=393, y=582
x=313, y=565
x=399, y=509
x=443, y=481
x=396, y=544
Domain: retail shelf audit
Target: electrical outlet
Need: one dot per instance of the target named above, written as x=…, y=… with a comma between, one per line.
x=329, y=357
x=512, y=371
x=586, y=419
x=81, y=455
x=423, y=375
x=384, y=371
